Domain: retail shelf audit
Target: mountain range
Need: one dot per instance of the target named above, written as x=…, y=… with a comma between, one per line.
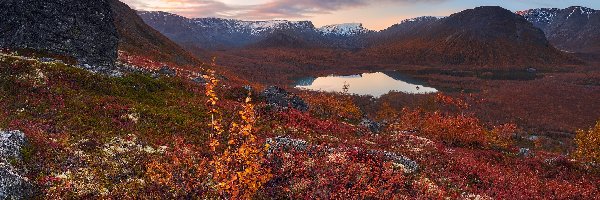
x=216, y=33
x=483, y=36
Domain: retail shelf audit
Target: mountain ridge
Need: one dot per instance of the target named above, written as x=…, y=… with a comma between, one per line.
x=423, y=40
x=487, y=35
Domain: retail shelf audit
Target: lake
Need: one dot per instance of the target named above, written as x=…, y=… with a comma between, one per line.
x=373, y=84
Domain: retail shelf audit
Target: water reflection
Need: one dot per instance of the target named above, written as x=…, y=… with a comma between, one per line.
x=374, y=84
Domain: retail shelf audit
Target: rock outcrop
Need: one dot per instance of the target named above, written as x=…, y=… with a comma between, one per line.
x=83, y=30
x=373, y=126
x=13, y=185
x=281, y=99
x=286, y=144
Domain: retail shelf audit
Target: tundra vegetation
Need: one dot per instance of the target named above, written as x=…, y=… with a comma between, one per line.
x=92, y=136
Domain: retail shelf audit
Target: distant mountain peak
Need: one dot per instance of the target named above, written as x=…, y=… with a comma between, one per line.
x=346, y=29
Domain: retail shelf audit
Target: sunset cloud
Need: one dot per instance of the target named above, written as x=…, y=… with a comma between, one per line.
x=268, y=10
x=375, y=14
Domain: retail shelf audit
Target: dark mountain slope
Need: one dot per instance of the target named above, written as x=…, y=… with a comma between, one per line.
x=405, y=29
x=284, y=39
x=484, y=36
x=136, y=37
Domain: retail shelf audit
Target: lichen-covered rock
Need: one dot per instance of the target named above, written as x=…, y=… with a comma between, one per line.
x=286, y=144
x=408, y=165
x=525, y=152
x=281, y=99
x=84, y=30
x=13, y=185
x=373, y=126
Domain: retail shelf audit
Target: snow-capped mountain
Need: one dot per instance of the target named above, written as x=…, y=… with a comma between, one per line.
x=347, y=29
x=572, y=29
x=218, y=32
x=252, y=27
x=211, y=33
x=230, y=25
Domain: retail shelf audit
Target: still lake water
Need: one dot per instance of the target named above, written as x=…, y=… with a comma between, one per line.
x=373, y=84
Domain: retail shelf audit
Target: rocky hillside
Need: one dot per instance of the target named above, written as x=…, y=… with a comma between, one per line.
x=484, y=36
x=573, y=29
x=81, y=29
x=92, y=32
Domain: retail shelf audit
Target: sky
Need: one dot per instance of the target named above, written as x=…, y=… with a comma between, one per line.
x=374, y=14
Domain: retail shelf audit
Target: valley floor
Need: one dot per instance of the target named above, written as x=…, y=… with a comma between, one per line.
x=554, y=101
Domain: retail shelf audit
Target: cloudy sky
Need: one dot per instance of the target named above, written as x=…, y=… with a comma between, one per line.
x=374, y=14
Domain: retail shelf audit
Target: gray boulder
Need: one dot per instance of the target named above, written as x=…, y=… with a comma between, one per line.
x=13, y=185
x=199, y=80
x=286, y=144
x=532, y=70
x=167, y=71
x=373, y=126
x=407, y=164
x=281, y=99
x=525, y=152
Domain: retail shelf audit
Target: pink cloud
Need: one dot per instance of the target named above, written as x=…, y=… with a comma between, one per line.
x=270, y=10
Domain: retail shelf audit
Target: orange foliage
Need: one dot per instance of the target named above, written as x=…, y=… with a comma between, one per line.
x=454, y=129
x=588, y=144
x=334, y=106
x=237, y=166
x=387, y=112
x=180, y=172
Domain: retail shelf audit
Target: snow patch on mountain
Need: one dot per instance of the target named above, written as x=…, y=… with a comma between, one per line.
x=423, y=18
x=346, y=29
x=539, y=15
x=229, y=25
x=582, y=10
x=547, y=15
